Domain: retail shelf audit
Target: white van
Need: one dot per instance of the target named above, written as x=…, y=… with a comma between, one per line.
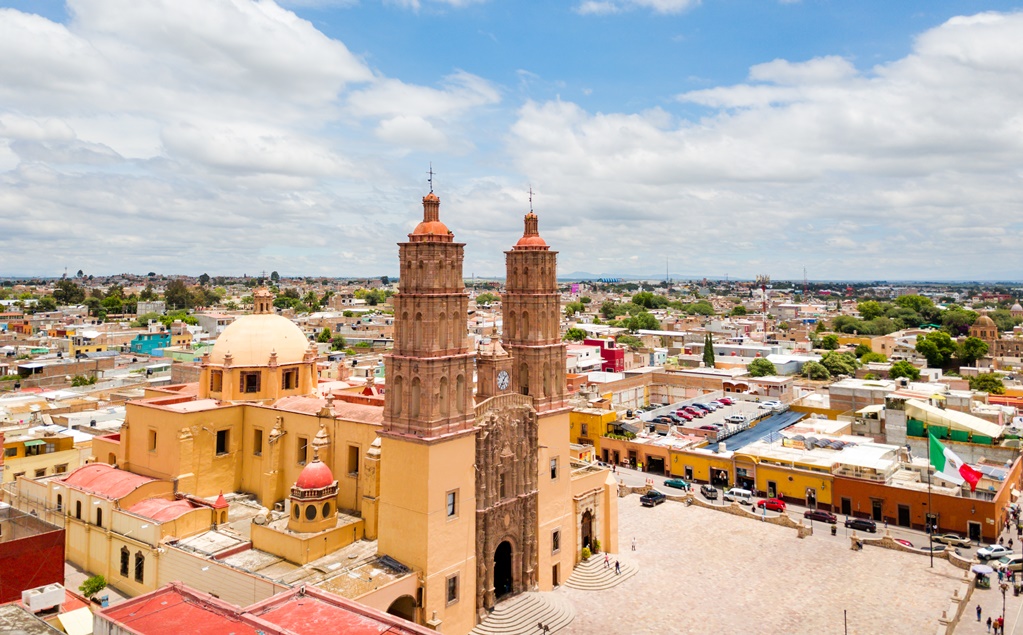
x=740, y=495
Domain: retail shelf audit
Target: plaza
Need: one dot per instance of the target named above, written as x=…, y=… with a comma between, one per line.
x=702, y=570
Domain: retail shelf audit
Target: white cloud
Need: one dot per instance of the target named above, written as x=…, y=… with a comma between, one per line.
x=921, y=154
x=606, y=7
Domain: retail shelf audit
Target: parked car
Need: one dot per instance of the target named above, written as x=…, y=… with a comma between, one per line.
x=863, y=524
x=774, y=504
x=769, y=405
x=651, y=498
x=709, y=491
x=905, y=543
x=820, y=515
x=708, y=428
x=685, y=415
x=677, y=483
x=953, y=539
x=709, y=407
x=727, y=401
x=1008, y=563
x=736, y=419
x=696, y=412
x=993, y=552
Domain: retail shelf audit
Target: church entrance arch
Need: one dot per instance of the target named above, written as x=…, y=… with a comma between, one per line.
x=587, y=530
x=404, y=607
x=503, y=570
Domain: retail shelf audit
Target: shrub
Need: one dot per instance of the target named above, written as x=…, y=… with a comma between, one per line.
x=92, y=586
x=596, y=546
x=586, y=553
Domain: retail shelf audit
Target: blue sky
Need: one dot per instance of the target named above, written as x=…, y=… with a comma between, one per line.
x=868, y=140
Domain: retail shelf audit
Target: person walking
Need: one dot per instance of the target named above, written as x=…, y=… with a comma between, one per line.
x=978, y=607
x=1010, y=544
x=989, y=623
x=618, y=568
x=633, y=543
x=607, y=561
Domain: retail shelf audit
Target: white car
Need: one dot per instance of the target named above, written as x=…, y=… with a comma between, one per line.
x=993, y=552
x=770, y=405
x=736, y=419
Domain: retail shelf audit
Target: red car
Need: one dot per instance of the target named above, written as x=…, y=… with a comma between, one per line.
x=696, y=412
x=683, y=414
x=774, y=504
x=726, y=401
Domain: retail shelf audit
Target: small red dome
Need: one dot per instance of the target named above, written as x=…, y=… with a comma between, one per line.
x=316, y=475
x=434, y=227
x=531, y=241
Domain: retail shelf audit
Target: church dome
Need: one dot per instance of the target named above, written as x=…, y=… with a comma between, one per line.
x=985, y=322
x=1016, y=307
x=316, y=475
x=251, y=339
x=531, y=236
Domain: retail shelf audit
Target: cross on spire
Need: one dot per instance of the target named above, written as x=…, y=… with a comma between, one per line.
x=430, y=180
x=531, y=199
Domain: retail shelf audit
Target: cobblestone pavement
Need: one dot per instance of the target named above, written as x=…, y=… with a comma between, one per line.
x=704, y=571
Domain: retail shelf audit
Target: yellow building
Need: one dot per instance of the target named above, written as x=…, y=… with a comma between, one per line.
x=477, y=491
x=36, y=455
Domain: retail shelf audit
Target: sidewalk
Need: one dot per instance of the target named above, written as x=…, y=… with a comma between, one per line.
x=74, y=577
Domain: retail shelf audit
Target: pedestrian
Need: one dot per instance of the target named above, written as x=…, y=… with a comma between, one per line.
x=633, y=543
x=618, y=568
x=1010, y=544
x=1001, y=540
x=989, y=623
x=607, y=561
x=978, y=612
x=1000, y=573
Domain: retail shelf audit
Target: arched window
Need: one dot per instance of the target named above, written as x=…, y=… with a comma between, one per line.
x=442, y=332
x=443, y=397
x=99, y=517
x=417, y=332
x=509, y=325
x=398, y=389
x=524, y=379
x=78, y=510
x=460, y=394
x=414, y=406
x=310, y=512
x=125, y=556
x=524, y=332
x=140, y=566
x=546, y=379
x=60, y=503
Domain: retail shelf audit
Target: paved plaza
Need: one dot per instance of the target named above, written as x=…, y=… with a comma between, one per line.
x=705, y=571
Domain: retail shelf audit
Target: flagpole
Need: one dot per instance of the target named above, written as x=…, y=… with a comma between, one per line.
x=927, y=516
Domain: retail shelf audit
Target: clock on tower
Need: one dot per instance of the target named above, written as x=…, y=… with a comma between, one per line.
x=493, y=369
x=503, y=380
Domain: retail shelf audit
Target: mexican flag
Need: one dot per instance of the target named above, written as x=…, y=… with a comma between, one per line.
x=951, y=466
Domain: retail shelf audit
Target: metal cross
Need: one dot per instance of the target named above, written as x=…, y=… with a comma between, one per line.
x=430, y=180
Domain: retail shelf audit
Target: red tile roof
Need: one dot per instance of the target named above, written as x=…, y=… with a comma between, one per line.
x=161, y=509
x=104, y=480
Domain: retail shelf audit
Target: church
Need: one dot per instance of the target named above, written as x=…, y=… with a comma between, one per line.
x=464, y=475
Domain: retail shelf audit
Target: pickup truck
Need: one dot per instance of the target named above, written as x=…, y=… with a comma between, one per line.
x=651, y=498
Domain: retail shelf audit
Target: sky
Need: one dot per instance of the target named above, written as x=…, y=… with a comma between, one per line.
x=861, y=140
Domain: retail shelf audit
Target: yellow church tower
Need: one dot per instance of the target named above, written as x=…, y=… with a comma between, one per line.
x=427, y=472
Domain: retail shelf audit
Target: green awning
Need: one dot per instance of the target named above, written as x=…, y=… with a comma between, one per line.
x=29, y=444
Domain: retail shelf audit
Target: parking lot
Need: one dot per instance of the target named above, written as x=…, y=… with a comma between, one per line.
x=702, y=570
x=724, y=420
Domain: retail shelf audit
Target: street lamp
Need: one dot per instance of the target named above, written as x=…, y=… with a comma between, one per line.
x=1004, y=586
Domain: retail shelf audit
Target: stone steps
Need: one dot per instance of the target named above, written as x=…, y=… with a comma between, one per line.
x=521, y=614
x=592, y=575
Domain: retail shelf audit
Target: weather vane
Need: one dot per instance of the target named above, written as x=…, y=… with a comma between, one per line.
x=430, y=180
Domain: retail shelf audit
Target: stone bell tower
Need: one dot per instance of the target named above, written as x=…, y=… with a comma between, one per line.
x=532, y=319
x=427, y=454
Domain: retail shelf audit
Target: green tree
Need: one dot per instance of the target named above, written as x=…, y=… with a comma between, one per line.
x=586, y=299
x=574, y=335
x=917, y=303
x=702, y=307
x=904, y=369
x=337, y=343
x=92, y=586
x=816, y=371
x=840, y=363
x=873, y=357
x=487, y=298
x=708, y=351
x=738, y=309
x=957, y=321
x=67, y=292
x=971, y=349
x=274, y=277
x=147, y=294
x=95, y=307
x=861, y=350
x=989, y=383
x=324, y=336
x=204, y=279
x=44, y=304
x=937, y=347
x=760, y=367
x=574, y=307
x=630, y=341
x=870, y=309
x=178, y=296
x=80, y=274
x=829, y=342
x=643, y=320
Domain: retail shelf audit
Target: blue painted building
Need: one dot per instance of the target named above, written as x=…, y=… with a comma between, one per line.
x=146, y=343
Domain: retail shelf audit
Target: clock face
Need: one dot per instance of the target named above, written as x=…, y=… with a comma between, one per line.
x=502, y=379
